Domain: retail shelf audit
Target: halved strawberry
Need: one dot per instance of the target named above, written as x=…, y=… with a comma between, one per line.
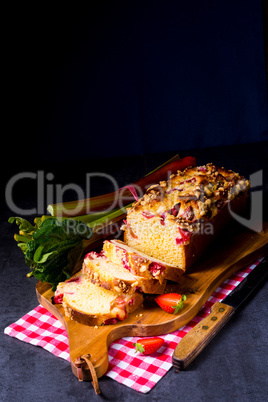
x=170, y=302
x=148, y=346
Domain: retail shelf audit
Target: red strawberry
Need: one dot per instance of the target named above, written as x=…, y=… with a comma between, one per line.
x=148, y=346
x=170, y=302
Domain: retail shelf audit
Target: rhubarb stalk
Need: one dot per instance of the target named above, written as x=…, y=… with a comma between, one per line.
x=104, y=203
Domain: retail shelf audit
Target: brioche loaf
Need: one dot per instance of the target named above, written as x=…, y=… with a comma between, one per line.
x=139, y=263
x=106, y=273
x=90, y=304
x=177, y=219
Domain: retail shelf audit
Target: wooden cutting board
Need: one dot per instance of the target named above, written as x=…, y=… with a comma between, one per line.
x=228, y=255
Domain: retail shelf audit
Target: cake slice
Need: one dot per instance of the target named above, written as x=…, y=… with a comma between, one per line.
x=89, y=304
x=112, y=276
x=139, y=263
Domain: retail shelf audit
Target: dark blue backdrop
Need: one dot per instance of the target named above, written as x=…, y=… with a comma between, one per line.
x=139, y=77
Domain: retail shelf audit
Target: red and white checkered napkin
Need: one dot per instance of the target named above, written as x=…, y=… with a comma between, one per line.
x=39, y=327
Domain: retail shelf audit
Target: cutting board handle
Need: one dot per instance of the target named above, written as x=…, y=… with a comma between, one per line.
x=82, y=361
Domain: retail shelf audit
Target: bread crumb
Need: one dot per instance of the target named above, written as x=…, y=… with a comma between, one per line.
x=96, y=327
x=143, y=268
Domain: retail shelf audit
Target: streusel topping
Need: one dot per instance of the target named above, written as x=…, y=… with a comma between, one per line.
x=195, y=194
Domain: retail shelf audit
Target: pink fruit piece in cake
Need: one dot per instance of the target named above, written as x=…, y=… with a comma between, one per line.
x=156, y=269
x=147, y=215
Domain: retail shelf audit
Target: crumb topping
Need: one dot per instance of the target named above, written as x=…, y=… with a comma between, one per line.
x=197, y=193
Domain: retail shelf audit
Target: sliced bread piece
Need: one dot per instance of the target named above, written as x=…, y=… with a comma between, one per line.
x=90, y=304
x=139, y=263
x=109, y=275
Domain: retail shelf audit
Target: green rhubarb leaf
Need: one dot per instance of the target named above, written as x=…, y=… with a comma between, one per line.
x=39, y=257
x=23, y=224
x=23, y=247
x=54, y=247
x=38, y=253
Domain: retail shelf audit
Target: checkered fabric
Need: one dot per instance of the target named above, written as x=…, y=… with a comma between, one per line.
x=40, y=328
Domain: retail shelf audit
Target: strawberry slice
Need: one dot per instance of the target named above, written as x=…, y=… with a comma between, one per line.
x=148, y=346
x=170, y=302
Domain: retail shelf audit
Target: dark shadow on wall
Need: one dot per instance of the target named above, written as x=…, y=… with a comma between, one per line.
x=132, y=78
